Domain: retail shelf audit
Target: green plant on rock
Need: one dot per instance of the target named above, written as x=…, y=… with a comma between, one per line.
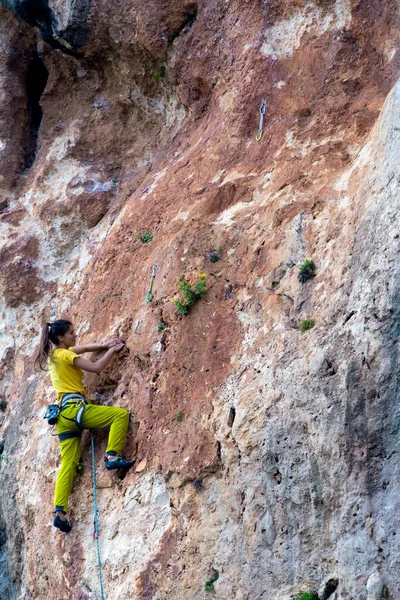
x=307, y=270
x=146, y=237
x=307, y=324
x=160, y=74
x=161, y=326
x=307, y=596
x=179, y=415
x=190, y=294
x=209, y=585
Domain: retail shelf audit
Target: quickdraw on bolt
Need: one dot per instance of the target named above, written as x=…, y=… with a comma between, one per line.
x=149, y=296
x=263, y=110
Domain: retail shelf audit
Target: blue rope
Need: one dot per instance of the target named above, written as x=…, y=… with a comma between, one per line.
x=96, y=519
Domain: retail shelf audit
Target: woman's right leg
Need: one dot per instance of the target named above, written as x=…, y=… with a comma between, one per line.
x=117, y=419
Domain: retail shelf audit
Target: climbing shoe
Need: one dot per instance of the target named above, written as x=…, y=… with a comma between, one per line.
x=118, y=463
x=63, y=526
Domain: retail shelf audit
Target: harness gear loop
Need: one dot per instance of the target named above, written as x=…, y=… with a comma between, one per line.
x=96, y=518
x=263, y=110
x=149, y=296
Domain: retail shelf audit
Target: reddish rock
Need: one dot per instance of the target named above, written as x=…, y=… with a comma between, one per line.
x=292, y=441
x=19, y=273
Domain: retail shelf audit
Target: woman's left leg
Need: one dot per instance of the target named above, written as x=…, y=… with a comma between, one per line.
x=70, y=455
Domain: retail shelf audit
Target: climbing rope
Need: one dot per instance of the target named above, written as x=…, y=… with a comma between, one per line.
x=149, y=296
x=96, y=518
x=263, y=110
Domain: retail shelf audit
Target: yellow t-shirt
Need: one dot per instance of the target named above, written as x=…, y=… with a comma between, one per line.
x=64, y=376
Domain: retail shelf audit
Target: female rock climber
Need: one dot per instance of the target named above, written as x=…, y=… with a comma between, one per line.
x=58, y=353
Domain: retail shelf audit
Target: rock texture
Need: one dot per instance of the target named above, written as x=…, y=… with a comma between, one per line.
x=267, y=453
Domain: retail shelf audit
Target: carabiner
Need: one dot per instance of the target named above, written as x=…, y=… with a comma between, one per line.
x=263, y=110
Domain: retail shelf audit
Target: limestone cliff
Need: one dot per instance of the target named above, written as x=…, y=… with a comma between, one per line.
x=282, y=468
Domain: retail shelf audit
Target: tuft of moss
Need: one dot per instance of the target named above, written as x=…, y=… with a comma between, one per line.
x=307, y=324
x=161, y=326
x=146, y=237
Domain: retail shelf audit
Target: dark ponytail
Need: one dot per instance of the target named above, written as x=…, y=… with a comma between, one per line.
x=51, y=332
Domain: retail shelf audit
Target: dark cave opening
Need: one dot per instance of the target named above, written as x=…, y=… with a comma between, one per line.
x=190, y=18
x=36, y=80
x=38, y=13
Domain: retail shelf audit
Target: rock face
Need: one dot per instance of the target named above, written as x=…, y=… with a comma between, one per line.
x=263, y=451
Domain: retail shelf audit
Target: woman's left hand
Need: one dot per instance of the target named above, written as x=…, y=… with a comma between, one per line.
x=110, y=343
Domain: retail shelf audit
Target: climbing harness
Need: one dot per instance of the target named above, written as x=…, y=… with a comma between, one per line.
x=66, y=402
x=53, y=411
x=149, y=296
x=263, y=110
x=80, y=402
x=96, y=519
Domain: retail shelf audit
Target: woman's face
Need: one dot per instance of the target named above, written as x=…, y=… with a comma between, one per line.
x=69, y=338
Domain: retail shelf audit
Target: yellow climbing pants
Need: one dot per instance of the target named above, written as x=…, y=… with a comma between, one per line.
x=94, y=417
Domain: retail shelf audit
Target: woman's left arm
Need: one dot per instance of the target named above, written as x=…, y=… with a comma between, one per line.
x=96, y=347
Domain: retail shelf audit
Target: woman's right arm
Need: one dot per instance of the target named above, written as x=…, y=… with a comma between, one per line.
x=99, y=365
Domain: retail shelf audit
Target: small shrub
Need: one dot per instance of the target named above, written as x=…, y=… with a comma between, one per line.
x=161, y=326
x=190, y=294
x=307, y=324
x=179, y=415
x=219, y=250
x=115, y=181
x=209, y=585
x=160, y=74
x=146, y=237
x=307, y=596
x=307, y=270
